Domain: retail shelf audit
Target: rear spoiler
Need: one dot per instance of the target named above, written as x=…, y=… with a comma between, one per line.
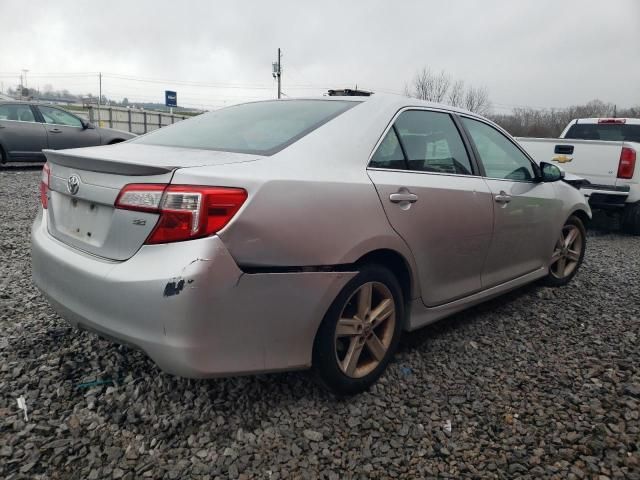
x=68, y=159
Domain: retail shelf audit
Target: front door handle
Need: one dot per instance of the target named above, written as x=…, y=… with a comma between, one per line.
x=403, y=197
x=55, y=130
x=502, y=197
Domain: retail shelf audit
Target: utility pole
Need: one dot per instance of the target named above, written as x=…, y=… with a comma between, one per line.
x=99, y=98
x=277, y=73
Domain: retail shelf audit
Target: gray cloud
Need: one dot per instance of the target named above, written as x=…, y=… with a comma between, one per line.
x=539, y=53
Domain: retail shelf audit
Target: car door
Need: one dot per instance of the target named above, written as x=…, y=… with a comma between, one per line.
x=436, y=200
x=65, y=130
x=524, y=207
x=21, y=136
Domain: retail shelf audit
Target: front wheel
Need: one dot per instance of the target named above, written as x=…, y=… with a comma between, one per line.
x=567, y=254
x=360, y=332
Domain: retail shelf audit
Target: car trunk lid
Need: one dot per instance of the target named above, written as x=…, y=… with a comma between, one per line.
x=84, y=184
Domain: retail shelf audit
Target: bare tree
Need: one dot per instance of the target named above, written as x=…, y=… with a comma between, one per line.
x=441, y=84
x=422, y=85
x=531, y=122
x=476, y=100
x=456, y=94
x=441, y=88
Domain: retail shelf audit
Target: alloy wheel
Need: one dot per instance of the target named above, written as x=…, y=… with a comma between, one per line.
x=567, y=253
x=365, y=329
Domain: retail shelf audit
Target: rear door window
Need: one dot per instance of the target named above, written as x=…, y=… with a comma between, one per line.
x=261, y=128
x=389, y=153
x=17, y=113
x=423, y=141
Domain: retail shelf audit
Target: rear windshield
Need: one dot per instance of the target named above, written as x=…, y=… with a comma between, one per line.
x=604, y=131
x=261, y=128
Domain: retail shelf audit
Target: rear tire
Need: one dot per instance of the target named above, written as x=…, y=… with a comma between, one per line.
x=631, y=218
x=568, y=253
x=360, y=332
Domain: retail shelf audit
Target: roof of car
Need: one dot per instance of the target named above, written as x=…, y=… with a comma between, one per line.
x=386, y=100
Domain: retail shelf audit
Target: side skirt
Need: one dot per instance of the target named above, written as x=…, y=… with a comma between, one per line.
x=422, y=315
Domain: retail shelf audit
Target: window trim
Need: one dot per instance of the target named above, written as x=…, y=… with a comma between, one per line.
x=505, y=134
x=476, y=172
x=405, y=157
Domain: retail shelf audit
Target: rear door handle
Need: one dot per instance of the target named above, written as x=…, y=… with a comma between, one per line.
x=502, y=197
x=55, y=130
x=403, y=197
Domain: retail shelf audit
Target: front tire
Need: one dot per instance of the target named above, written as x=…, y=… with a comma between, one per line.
x=631, y=219
x=568, y=253
x=360, y=332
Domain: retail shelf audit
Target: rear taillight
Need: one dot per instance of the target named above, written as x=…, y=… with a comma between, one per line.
x=627, y=163
x=44, y=186
x=186, y=211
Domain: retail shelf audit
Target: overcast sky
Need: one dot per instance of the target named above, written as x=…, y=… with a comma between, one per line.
x=538, y=53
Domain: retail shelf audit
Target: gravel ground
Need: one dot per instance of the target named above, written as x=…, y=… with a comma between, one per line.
x=540, y=383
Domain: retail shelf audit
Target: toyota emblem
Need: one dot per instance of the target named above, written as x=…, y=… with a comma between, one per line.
x=73, y=184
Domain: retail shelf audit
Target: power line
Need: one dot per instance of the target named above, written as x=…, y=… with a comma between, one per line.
x=186, y=83
x=212, y=85
x=135, y=78
x=88, y=78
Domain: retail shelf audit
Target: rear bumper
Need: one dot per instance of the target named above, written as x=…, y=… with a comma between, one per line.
x=188, y=305
x=606, y=197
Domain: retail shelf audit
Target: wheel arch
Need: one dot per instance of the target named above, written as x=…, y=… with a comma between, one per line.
x=584, y=217
x=397, y=264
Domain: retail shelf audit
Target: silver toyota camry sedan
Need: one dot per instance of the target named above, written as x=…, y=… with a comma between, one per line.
x=300, y=233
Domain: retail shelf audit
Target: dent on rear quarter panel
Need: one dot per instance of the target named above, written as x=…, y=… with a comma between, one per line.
x=176, y=284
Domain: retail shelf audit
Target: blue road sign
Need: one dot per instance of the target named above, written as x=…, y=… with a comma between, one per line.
x=170, y=98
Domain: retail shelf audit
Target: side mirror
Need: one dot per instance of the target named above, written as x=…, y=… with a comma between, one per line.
x=86, y=124
x=550, y=172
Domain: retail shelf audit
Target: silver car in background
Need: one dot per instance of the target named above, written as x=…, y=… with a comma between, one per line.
x=298, y=233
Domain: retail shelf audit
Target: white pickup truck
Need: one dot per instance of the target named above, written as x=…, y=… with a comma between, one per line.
x=603, y=151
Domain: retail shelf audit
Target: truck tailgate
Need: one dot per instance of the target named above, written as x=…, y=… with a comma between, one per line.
x=594, y=160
